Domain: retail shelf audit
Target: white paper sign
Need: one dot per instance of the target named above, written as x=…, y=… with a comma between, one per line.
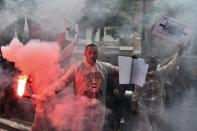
x=132, y=71
x=71, y=30
x=173, y=30
x=139, y=72
x=125, y=64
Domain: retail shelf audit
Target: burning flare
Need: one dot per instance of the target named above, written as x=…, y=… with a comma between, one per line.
x=21, y=84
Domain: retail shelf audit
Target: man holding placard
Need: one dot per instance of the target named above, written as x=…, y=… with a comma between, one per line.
x=150, y=96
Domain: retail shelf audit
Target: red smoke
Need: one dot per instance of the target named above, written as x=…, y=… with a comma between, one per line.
x=40, y=60
x=76, y=114
x=37, y=59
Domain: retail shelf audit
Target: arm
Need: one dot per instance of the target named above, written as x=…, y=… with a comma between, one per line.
x=137, y=93
x=135, y=98
x=171, y=64
x=112, y=70
x=116, y=72
x=61, y=39
x=67, y=51
x=64, y=80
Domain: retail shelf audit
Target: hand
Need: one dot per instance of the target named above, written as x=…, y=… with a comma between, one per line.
x=116, y=92
x=57, y=91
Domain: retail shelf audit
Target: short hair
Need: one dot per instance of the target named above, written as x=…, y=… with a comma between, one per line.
x=91, y=45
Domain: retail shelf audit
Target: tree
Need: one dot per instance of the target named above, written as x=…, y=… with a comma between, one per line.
x=1, y=4
x=111, y=13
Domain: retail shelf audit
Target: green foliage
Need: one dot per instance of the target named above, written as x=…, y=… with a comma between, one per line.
x=98, y=13
x=1, y=3
x=126, y=5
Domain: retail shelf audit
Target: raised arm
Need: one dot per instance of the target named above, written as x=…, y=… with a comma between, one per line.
x=64, y=80
x=113, y=70
x=172, y=63
x=61, y=39
x=67, y=51
x=137, y=93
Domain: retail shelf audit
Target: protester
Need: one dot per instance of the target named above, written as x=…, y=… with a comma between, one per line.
x=89, y=77
x=150, y=96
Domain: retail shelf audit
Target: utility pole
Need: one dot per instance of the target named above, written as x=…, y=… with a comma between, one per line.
x=143, y=28
x=146, y=40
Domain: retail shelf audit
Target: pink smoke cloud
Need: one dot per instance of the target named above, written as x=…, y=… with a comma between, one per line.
x=37, y=59
x=40, y=60
x=76, y=113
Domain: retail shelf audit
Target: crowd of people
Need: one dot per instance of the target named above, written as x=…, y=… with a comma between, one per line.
x=98, y=82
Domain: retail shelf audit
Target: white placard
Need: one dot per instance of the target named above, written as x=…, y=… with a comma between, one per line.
x=174, y=30
x=139, y=72
x=132, y=71
x=125, y=66
x=71, y=30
